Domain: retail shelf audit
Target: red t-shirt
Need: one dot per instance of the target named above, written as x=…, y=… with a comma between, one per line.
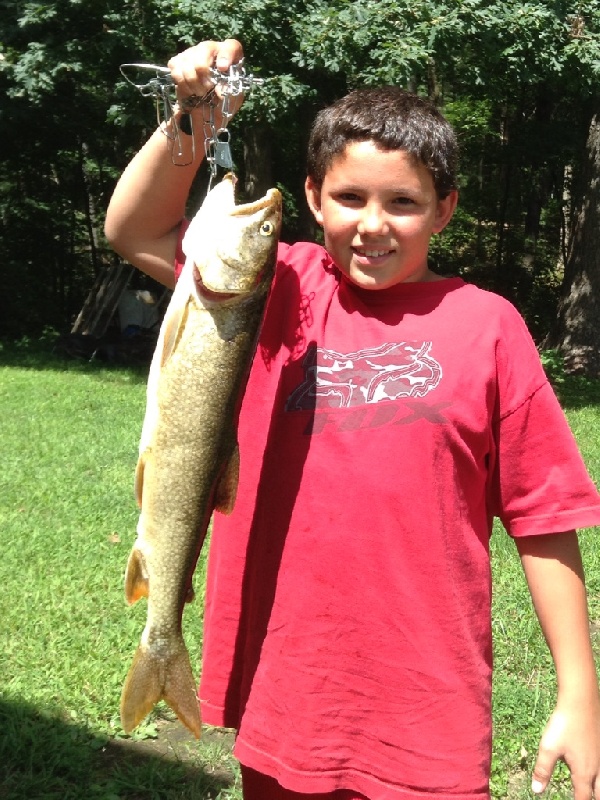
x=347, y=625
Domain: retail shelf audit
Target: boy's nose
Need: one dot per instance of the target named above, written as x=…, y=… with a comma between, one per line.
x=372, y=220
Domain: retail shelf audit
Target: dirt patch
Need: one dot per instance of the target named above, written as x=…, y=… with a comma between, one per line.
x=517, y=786
x=208, y=759
x=175, y=742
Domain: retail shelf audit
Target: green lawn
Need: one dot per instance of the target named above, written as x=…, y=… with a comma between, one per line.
x=68, y=437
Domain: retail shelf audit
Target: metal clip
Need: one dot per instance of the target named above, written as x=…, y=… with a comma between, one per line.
x=223, y=157
x=161, y=87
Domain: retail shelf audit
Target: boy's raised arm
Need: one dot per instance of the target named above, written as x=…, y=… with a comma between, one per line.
x=148, y=204
x=554, y=573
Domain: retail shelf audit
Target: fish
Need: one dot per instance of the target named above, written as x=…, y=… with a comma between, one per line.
x=188, y=455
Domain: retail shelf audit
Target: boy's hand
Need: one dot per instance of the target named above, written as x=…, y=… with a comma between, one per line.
x=573, y=737
x=554, y=572
x=191, y=69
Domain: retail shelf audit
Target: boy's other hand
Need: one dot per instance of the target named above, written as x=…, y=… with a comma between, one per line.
x=573, y=737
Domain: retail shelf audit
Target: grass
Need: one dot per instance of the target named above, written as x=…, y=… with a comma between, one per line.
x=68, y=436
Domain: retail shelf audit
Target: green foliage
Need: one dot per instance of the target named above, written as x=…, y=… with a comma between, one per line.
x=518, y=79
x=574, y=391
x=479, y=43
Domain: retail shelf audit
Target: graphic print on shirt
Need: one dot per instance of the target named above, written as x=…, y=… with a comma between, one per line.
x=372, y=375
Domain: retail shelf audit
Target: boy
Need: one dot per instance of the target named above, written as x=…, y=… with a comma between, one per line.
x=389, y=415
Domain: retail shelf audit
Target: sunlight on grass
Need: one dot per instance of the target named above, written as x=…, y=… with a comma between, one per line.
x=69, y=438
x=66, y=498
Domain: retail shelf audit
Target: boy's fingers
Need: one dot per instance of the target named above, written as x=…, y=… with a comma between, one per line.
x=230, y=52
x=538, y=786
x=191, y=69
x=585, y=785
x=583, y=789
x=542, y=772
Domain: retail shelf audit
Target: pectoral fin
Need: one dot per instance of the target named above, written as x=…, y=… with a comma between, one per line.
x=172, y=327
x=226, y=490
x=136, y=577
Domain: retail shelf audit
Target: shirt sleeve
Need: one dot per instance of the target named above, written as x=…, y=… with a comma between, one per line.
x=541, y=482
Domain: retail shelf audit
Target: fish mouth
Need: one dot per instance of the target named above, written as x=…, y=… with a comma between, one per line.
x=209, y=294
x=271, y=198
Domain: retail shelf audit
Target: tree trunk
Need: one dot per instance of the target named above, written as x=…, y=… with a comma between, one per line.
x=577, y=335
x=90, y=207
x=258, y=164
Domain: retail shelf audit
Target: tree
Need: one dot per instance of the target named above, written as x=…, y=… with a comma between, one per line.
x=514, y=77
x=59, y=70
x=578, y=332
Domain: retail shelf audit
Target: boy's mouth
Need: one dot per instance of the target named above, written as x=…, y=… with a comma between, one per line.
x=372, y=253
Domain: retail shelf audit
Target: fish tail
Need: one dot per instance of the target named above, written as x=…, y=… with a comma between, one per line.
x=152, y=678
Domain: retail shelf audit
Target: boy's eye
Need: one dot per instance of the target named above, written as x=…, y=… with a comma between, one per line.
x=404, y=201
x=347, y=197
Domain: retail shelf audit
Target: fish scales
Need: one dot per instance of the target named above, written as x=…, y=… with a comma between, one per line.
x=188, y=452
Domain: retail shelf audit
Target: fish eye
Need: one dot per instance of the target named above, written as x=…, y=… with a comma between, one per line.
x=266, y=229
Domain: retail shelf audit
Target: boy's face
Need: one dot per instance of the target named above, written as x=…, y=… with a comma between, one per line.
x=379, y=210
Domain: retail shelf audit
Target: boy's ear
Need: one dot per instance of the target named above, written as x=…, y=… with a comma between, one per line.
x=445, y=209
x=313, y=198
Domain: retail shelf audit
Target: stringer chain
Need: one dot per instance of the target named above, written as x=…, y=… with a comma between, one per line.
x=161, y=87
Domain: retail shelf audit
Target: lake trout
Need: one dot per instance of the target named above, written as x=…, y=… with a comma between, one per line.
x=188, y=464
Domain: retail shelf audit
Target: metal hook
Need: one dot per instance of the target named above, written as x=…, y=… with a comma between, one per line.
x=162, y=88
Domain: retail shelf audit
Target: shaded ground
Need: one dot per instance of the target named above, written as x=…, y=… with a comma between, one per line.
x=175, y=743
x=46, y=757
x=209, y=759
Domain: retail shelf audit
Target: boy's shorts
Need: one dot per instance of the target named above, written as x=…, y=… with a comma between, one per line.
x=257, y=786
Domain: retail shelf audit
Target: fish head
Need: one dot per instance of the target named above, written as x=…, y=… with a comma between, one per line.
x=233, y=247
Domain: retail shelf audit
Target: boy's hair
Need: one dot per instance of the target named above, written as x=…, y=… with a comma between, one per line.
x=395, y=120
